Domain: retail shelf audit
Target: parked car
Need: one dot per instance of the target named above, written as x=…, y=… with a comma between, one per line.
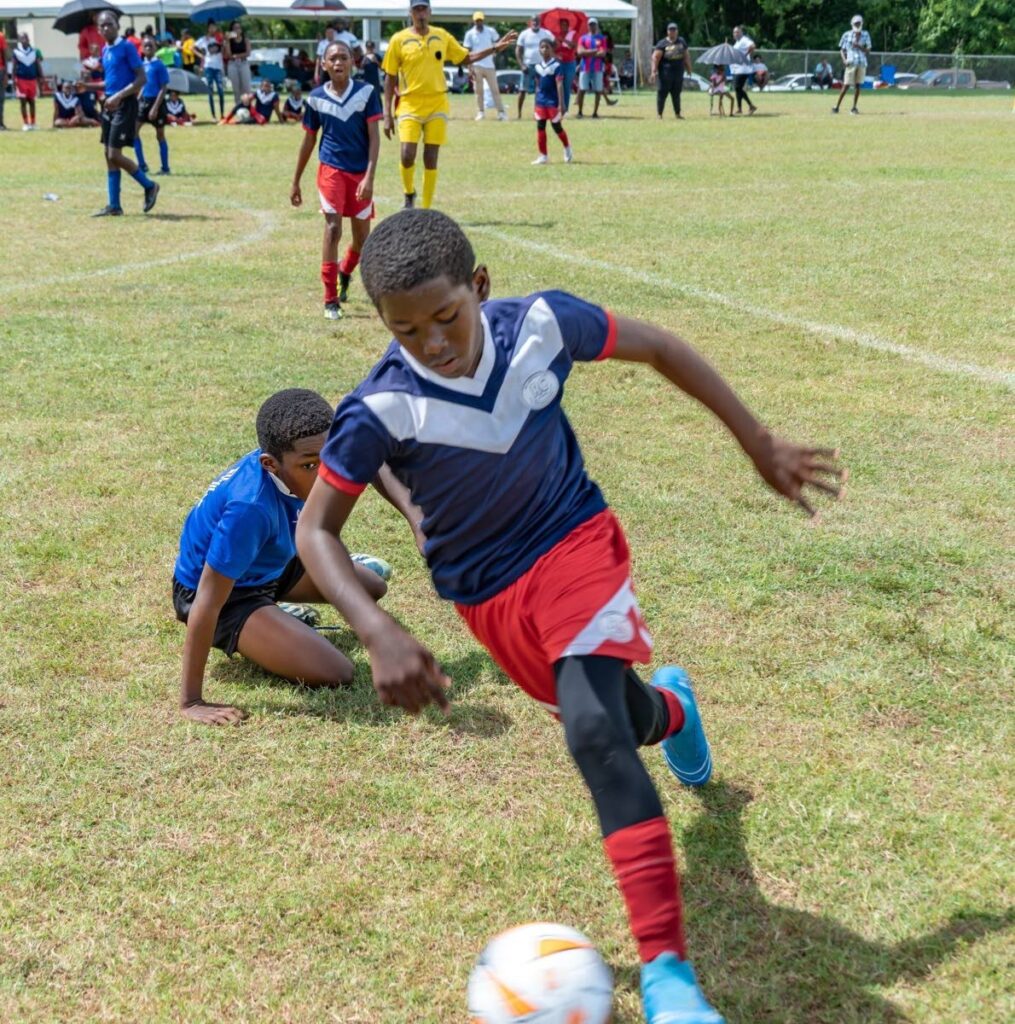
x=509, y=81
x=792, y=83
x=694, y=82
x=952, y=78
x=457, y=79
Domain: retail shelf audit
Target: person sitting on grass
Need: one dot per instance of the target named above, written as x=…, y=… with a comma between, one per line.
x=176, y=111
x=717, y=87
x=260, y=105
x=68, y=111
x=237, y=560
x=294, y=107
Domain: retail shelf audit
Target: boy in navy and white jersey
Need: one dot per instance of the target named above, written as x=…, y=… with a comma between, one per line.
x=152, y=107
x=294, y=107
x=262, y=104
x=346, y=113
x=550, y=104
x=176, y=111
x=68, y=110
x=465, y=409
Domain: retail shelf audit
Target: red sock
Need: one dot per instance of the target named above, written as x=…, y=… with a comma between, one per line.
x=350, y=261
x=642, y=858
x=562, y=135
x=676, y=710
x=541, y=140
x=329, y=276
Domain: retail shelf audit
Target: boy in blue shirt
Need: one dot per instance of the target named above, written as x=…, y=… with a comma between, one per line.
x=124, y=79
x=237, y=560
x=465, y=409
x=152, y=108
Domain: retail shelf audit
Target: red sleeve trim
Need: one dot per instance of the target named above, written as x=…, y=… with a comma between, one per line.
x=307, y=128
x=329, y=476
x=376, y=117
x=611, y=336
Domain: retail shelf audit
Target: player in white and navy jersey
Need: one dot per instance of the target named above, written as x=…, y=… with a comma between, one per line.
x=68, y=110
x=176, y=111
x=465, y=409
x=550, y=106
x=346, y=113
x=295, y=106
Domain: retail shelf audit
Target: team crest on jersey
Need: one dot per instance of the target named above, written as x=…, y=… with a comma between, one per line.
x=540, y=389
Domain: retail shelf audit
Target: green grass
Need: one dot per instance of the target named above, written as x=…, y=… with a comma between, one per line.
x=334, y=861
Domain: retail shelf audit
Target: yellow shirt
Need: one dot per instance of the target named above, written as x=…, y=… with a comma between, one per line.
x=187, y=48
x=419, y=62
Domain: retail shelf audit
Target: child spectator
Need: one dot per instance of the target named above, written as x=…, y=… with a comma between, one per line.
x=209, y=49
x=27, y=79
x=176, y=112
x=151, y=109
x=717, y=87
x=259, y=105
x=68, y=109
x=549, y=101
x=294, y=107
x=167, y=52
x=370, y=66
x=188, y=58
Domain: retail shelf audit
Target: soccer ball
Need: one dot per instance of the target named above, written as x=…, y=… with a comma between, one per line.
x=540, y=974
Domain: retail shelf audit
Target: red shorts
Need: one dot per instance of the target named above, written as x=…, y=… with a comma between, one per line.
x=26, y=88
x=577, y=599
x=551, y=114
x=337, y=190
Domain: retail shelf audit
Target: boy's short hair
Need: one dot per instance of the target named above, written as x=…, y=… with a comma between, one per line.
x=290, y=415
x=412, y=247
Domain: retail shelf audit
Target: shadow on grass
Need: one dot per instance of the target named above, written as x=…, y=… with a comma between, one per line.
x=764, y=962
x=543, y=225
x=172, y=217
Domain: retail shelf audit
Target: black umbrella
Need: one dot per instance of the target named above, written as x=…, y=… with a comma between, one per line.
x=186, y=82
x=79, y=14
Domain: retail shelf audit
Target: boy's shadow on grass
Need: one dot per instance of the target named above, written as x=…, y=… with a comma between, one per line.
x=544, y=225
x=765, y=962
x=173, y=217
x=359, y=701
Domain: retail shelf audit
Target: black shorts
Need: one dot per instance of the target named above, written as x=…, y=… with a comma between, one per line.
x=142, y=114
x=119, y=127
x=240, y=605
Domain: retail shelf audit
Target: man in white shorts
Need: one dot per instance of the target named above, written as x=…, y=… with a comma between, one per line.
x=854, y=47
x=527, y=55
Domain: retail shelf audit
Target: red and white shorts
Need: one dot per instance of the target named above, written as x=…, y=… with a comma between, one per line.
x=577, y=599
x=337, y=190
x=551, y=114
x=26, y=88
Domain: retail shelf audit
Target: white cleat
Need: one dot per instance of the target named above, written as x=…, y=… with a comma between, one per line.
x=501, y=115
x=568, y=154
x=541, y=159
x=479, y=116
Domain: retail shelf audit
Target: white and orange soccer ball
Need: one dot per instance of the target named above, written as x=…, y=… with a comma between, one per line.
x=540, y=974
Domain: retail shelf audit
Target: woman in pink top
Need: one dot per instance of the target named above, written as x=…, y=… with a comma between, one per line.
x=567, y=53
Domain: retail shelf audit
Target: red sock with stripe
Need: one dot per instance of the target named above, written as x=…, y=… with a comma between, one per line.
x=562, y=135
x=642, y=859
x=350, y=261
x=675, y=709
x=329, y=277
x=541, y=140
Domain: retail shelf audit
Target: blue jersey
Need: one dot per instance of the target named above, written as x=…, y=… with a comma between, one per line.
x=264, y=103
x=345, y=139
x=25, y=62
x=119, y=64
x=156, y=78
x=546, y=83
x=244, y=527
x=491, y=459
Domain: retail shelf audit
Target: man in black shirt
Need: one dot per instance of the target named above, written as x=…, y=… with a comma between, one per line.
x=670, y=59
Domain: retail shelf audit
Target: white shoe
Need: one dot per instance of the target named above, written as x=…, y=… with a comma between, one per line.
x=26, y=127
x=541, y=159
x=479, y=116
x=501, y=115
x=568, y=154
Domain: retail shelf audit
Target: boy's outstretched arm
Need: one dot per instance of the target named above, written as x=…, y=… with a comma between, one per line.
x=785, y=467
x=405, y=673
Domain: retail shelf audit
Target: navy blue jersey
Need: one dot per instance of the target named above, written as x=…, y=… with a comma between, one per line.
x=546, y=83
x=294, y=106
x=343, y=120
x=156, y=78
x=244, y=527
x=119, y=64
x=67, y=107
x=26, y=62
x=491, y=459
x=264, y=103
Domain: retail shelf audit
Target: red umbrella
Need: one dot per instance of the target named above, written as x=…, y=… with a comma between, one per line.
x=578, y=21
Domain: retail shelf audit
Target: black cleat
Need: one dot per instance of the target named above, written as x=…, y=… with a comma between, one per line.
x=410, y=200
x=109, y=211
x=151, y=195
x=343, y=292
x=163, y=171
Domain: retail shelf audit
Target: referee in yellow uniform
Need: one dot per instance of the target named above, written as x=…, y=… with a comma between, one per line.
x=415, y=62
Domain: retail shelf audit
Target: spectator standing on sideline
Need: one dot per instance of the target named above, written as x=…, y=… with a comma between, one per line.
x=124, y=79
x=132, y=37
x=592, y=50
x=823, y=75
x=167, y=52
x=744, y=44
x=27, y=77
x=322, y=49
x=4, y=58
x=854, y=47
x=188, y=58
x=209, y=47
x=567, y=54
x=88, y=37
x=479, y=37
x=670, y=59
x=527, y=55
x=344, y=35
x=237, y=55
x=370, y=66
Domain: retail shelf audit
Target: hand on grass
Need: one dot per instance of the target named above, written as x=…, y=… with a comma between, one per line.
x=212, y=714
x=789, y=468
x=296, y=195
x=405, y=673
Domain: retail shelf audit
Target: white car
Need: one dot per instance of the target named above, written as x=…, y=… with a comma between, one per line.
x=791, y=83
x=695, y=82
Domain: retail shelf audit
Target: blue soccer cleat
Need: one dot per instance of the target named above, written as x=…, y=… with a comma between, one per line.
x=670, y=993
x=687, y=752
x=374, y=564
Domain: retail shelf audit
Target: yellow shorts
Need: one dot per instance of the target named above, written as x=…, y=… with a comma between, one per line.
x=427, y=120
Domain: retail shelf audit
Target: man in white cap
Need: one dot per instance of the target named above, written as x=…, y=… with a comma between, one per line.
x=479, y=37
x=854, y=47
x=527, y=55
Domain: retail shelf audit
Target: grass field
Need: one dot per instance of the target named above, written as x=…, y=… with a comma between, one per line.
x=334, y=861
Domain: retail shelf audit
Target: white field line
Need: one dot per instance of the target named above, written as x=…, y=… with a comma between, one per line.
x=266, y=222
x=863, y=339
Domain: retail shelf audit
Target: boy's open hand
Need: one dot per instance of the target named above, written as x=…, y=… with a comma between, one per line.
x=212, y=714
x=789, y=468
x=406, y=675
